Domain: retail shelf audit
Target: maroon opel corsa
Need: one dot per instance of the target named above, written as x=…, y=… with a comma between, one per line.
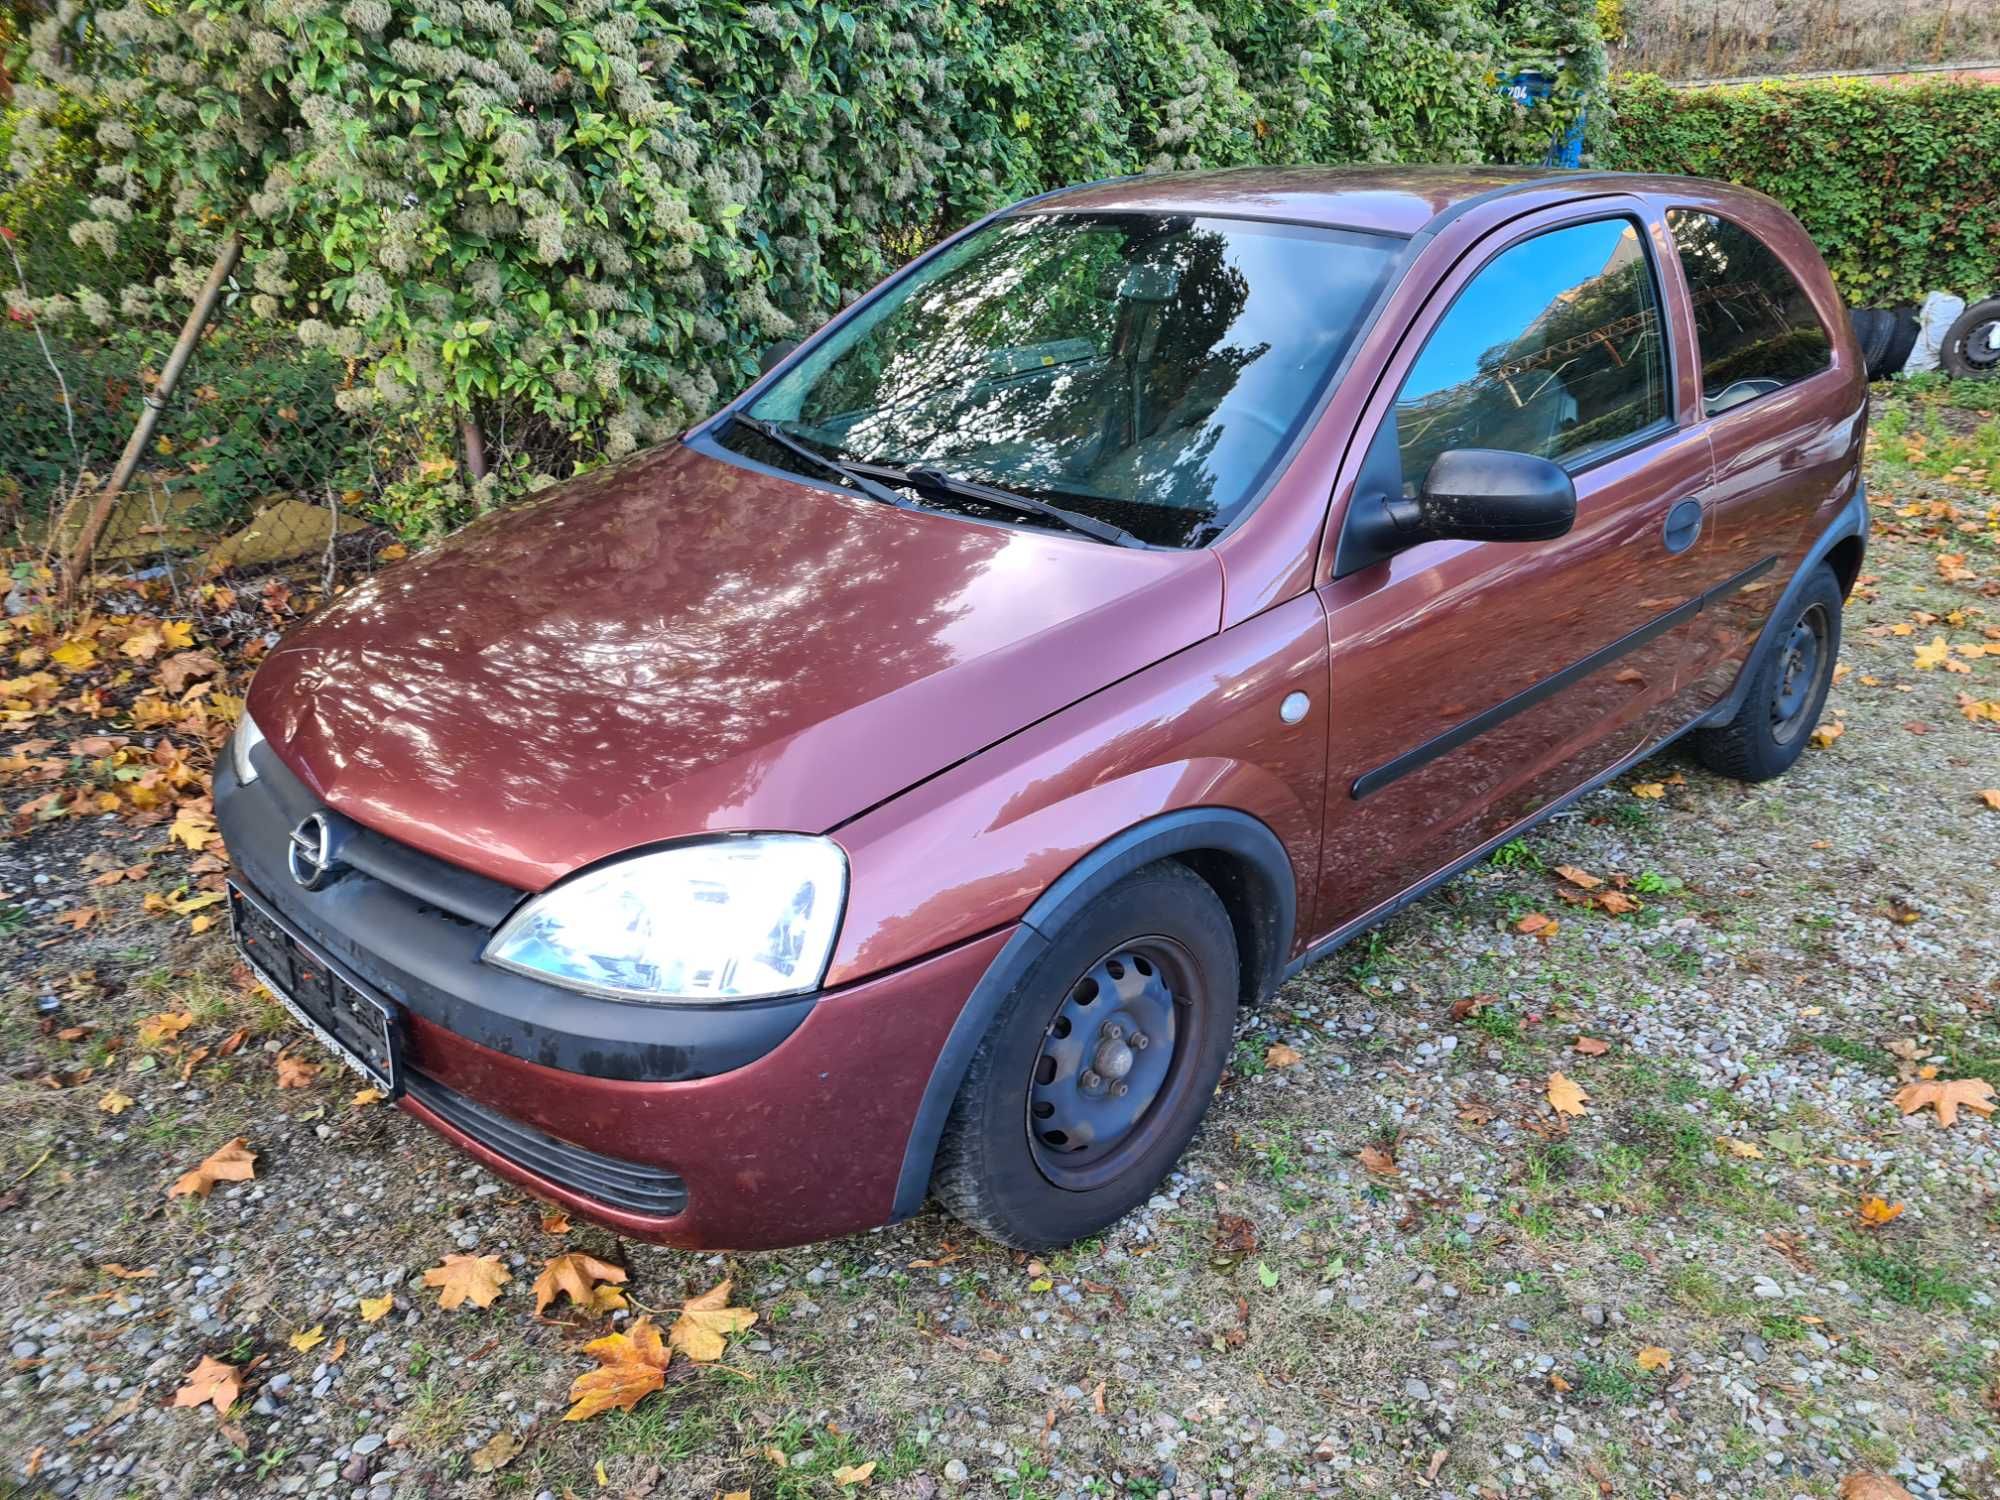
x=897, y=786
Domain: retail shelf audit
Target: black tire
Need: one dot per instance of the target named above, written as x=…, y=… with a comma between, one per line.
x=1788, y=688
x=1161, y=931
x=1873, y=328
x=1971, y=347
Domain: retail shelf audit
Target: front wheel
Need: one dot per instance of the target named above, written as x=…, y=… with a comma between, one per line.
x=1098, y=1066
x=1787, y=690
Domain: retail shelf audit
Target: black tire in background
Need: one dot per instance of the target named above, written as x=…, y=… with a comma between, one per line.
x=1873, y=328
x=1971, y=346
x=1788, y=687
x=997, y=1169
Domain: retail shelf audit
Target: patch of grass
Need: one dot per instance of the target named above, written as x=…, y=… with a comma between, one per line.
x=1862, y=1054
x=1903, y=1278
x=1515, y=855
x=1607, y=1381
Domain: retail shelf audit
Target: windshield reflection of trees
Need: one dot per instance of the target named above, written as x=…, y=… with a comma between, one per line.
x=1089, y=362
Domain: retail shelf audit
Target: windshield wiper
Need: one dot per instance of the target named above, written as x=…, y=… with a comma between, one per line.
x=923, y=477
x=854, y=474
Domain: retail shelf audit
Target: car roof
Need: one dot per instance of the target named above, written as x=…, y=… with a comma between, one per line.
x=1398, y=200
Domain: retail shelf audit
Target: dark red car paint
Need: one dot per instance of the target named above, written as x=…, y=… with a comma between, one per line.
x=681, y=644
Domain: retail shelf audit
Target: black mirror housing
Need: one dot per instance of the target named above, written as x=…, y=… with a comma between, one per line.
x=1492, y=495
x=774, y=355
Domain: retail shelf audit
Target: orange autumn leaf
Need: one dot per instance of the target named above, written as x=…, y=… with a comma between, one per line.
x=631, y=1365
x=578, y=1277
x=1649, y=789
x=855, y=1474
x=468, y=1278
x=1875, y=1212
x=1867, y=1486
x=1578, y=877
x=555, y=1221
x=1653, y=1357
x=295, y=1073
x=1590, y=1046
x=1537, y=925
x=1991, y=797
x=211, y=1383
x=164, y=1027
x=701, y=1331
x=1378, y=1161
x=1565, y=1096
x=232, y=1162
x=1278, y=1055
x=1616, y=902
x=1947, y=1098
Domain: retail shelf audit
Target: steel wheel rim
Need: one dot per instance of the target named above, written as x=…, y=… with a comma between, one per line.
x=1132, y=1021
x=1803, y=661
x=1982, y=344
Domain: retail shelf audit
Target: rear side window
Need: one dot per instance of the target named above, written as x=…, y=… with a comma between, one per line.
x=1553, y=349
x=1758, y=330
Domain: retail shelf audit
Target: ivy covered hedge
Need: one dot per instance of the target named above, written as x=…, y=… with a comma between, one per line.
x=1899, y=184
x=583, y=218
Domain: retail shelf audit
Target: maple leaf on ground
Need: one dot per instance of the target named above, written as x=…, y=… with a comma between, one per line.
x=375, y=1309
x=468, y=1278
x=1991, y=797
x=365, y=1097
x=1825, y=734
x=1278, y=1055
x=1875, y=1212
x=1615, y=902
x=1590, y=1046
x=1470, y=1006
x=555, y=1221
x=1578, y=877
x=1649, y=789
x=1378, y=1161
x=855, y=1474
x=211, y=1383
x=498, y=1452
x=1743, y=1149
x=701, y=1331
x=115, y=1103
x=308, y=1338
x=164, y=1027
x=177, y=671
x=1947, y=1098
x=1537, y=925
x=631, y=1365
x=1653, y=1357
x=295, y=1072
x=1565, y=1096
x=232, y=1162
x=1865, y=1486
x=1930, y=658
x=577, y=1277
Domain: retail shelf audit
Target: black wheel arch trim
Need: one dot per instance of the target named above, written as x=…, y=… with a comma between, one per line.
x=1851, y=521
x=1248, y=842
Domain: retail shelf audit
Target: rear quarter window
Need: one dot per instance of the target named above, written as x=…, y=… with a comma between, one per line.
x=1756, y=327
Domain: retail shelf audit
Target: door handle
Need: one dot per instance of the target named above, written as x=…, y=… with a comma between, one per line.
x=1683, y=526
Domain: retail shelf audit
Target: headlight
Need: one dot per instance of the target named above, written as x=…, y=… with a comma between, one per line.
x=724, y=919
x=247, y=738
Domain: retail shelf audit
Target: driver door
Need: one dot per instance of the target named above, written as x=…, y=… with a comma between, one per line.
x=1474, y=683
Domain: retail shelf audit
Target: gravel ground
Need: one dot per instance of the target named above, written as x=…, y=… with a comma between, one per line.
x=1672, y=1294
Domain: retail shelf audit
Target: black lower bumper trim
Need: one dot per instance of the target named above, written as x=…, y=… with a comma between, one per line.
x=632, y=1186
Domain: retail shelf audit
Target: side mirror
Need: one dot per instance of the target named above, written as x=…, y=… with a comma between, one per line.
x=1490, y=495
x=774, y=355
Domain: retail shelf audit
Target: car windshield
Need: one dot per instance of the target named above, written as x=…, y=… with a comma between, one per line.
x=1141, y=370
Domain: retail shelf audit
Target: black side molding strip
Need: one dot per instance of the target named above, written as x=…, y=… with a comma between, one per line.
x=1463, y=733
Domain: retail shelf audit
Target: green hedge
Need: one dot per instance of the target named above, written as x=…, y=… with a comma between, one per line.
x=1899, y=184
x=584, y=218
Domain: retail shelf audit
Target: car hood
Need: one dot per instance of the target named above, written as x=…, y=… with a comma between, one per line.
x=684, y=644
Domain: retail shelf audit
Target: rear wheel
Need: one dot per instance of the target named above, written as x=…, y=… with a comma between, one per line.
x=1098, y=1066
x=1787, y=691
x=1971, y=345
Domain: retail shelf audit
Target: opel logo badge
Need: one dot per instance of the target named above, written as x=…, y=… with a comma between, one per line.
x=310, y=857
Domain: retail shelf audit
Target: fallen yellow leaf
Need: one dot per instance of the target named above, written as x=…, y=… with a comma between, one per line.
x=855, y=1474
x=497, y=1452
x=1578, y=877
x=295, y=1072
x=631, y=1365
x=164, y=1027
x=365, y=1097
x=577, y=1277
x=1991, y=797
x=232, y=1162
x=211, y=1383
x=115, y=1103
x=701, y=1331
x=1876, y=1212
x=1565, y=1096
x=375, y=1309
x=1653, y=1357
x=308, y=1338
x=1744, y=1149
x=1975, y=1094
x=1650, y=789
x=468, y=1278
x=1278, y=1055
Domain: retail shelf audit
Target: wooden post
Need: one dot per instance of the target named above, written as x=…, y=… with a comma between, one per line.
x=149, y=415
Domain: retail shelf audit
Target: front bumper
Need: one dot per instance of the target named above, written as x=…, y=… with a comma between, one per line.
x=742, y=1126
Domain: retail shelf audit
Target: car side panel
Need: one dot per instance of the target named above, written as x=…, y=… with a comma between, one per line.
x=974, y=847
